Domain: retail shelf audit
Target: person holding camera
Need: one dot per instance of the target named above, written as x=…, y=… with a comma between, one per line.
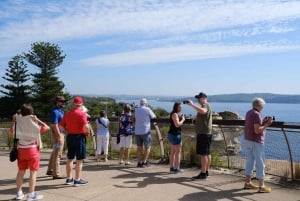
x=203, y=128
x=255, y=131
x=174, y=137
x=126, y=130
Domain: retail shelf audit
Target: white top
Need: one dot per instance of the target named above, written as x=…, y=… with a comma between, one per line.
x=143, y=116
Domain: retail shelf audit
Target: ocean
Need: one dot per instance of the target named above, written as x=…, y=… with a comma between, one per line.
x=276, y=147
x=282, y=112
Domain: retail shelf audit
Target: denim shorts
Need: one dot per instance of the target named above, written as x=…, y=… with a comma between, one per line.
x=143, y=140
x=76, y=146
x=174, y=139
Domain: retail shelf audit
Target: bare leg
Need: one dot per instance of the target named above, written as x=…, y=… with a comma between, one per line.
x=171, y=158
x=139, y=153
x=32, y=181
x=78, y=169
x=204, y=161
x=121, y=153
x=127, y=151
x=146, y=154
x=69, y=167
x=177, y=155
x=19, y=179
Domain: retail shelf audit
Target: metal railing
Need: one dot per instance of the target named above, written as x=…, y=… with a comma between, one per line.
x=282, y=144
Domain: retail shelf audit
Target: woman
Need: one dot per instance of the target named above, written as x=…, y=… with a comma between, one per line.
x=102, y=135
x=125, y=132
x=174, y=137
x=28, y=129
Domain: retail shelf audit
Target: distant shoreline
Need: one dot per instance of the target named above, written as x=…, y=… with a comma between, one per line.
x=222, y=98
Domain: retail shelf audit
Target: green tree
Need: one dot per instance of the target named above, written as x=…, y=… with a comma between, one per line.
x=46, y=85
x=17, y=91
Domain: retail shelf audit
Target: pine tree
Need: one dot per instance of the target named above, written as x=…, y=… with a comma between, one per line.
x=17, y=92
x=46, y=85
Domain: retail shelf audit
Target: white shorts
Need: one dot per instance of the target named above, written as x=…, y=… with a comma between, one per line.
x=125, y=141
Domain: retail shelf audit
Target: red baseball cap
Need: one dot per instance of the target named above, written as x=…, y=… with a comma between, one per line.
x=78, y=100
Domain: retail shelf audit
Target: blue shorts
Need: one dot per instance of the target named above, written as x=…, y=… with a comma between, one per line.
x=174, y=139
x=143, y=140
x=76, y=146
x=203, y=144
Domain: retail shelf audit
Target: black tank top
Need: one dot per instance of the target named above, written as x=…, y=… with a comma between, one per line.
x=173, y=129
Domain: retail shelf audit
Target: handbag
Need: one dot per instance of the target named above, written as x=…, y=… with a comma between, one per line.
x=13, y=155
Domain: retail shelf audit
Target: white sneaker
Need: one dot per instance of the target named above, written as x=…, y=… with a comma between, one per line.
x=34, y=197
x=20, y=196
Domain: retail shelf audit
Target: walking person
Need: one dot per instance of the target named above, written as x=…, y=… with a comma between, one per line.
x=102, y=135
x=255, y=131
x=143, y=116
x=28, y=128
x=175, y=138
x=58, y=139
x=125, y=132
x=203, y=128
x=75, y=124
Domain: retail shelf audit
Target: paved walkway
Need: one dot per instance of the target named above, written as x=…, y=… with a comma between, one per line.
x=113, y=182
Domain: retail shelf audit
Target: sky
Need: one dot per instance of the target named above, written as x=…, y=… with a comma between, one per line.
x=157, y=47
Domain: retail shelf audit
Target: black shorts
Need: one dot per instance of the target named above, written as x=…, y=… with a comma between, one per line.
x=203, y=144
x=76, y=144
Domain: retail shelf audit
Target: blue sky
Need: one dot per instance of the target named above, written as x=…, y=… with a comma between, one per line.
x=173, y=48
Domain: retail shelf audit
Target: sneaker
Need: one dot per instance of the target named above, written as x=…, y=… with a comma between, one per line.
x=34, y=197
x=201, y=176
x=70, y=181
x=49, y=173
x=250, y=186
x=105, y=160
x=146, y=164
x=121, y=162
x=176, y=171
x=264, y=189
x=127, y=163
x=20, y=196
x=207, y=174
x=59, y=177
x=172, y=170
x=141, y=165
x=80, y=182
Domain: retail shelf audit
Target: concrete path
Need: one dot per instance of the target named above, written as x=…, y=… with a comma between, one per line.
x=113, y=182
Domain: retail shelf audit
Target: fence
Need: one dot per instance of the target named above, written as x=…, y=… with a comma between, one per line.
x=282, y=145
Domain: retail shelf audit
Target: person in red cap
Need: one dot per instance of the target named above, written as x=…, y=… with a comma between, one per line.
x=75, y=124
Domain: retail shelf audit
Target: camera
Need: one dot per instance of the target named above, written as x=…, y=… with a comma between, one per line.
x=270, y=117
x=185, y=102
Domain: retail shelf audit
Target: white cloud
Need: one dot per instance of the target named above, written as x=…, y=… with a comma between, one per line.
x=161, y=22
x=182, y=53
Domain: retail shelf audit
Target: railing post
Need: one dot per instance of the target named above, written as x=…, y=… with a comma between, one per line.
x=226, y=148
x=290, y=153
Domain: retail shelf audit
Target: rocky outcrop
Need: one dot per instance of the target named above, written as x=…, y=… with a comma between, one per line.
x=231, y=144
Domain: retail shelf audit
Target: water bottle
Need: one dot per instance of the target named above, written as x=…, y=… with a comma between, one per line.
x=57, y=145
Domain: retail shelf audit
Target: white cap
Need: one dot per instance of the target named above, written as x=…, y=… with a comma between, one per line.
x=143, y=101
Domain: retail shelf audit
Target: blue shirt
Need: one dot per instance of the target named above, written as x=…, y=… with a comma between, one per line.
x=56, y=115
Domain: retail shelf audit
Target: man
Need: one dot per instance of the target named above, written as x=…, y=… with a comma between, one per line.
x=255, y=130
x=76, y=125
x=58, y=139
x=203, y=128
x=143, y=116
